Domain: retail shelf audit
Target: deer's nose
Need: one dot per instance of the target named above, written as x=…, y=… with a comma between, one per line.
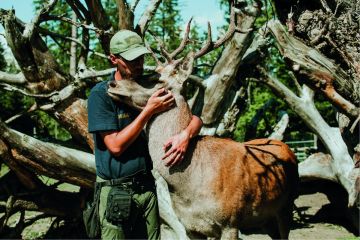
x=112, y=84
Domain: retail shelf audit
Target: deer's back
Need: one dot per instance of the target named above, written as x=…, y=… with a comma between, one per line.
x=245, y=180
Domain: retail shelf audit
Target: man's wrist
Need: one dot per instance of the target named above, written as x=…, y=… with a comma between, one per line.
x=148, y=110
x=188, y=133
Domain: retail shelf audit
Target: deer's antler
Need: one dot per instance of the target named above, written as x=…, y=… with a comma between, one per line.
x=210, y=45
x=184, y=41
x=170, y=58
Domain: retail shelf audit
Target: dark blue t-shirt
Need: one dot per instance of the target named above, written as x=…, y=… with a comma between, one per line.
x=106, y=115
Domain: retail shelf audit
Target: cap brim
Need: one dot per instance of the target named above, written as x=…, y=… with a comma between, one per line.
x=134, y=53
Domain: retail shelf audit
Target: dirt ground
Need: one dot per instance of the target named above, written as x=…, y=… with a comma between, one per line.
x=318, y=222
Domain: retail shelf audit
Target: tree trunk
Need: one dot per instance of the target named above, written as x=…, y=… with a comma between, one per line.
x=52, y=160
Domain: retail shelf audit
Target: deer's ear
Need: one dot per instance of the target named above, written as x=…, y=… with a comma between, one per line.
x=187, y=64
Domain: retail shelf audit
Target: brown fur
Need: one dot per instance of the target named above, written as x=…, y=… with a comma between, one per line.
x=257, y=164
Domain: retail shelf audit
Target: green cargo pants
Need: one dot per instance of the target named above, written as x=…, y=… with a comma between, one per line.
x=144, y=217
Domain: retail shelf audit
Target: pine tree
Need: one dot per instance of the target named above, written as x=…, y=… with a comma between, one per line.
x=166, y=24
x=2, y=58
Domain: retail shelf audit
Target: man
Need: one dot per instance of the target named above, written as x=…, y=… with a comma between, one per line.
x=121, y=149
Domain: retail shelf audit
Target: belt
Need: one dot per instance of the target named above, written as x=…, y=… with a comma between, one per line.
x=135, y=178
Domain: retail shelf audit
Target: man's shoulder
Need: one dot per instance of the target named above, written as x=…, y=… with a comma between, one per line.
x=98, y=95
x=101, y=86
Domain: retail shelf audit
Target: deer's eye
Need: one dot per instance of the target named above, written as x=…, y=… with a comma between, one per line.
x=112, y=84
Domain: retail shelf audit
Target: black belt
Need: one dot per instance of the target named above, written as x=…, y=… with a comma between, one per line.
x=135, y=178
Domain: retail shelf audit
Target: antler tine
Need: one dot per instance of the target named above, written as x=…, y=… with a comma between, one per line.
x=158, y=62
x=210, y=45
x=163, y=51
x=183, y=42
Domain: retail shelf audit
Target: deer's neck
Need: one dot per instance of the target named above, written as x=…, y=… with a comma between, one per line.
x=162, y=127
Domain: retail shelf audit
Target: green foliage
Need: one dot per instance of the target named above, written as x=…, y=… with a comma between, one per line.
x=112, y=12
x=95, y=61
x=166, y=24
x=49, y=127
x=2, y=58
x=59, y=47
x=326, y=109
x=267, y=12
x=12, y=103
x=264, y=121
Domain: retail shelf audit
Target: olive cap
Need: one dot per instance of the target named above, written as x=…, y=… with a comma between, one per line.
x=128, y=45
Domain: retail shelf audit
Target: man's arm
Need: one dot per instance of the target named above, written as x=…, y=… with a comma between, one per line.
x=118, y=141
x=175, y=147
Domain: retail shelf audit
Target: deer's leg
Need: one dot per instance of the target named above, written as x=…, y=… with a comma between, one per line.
x=284, y=219
x=196, y=235
x=229, y=233
x=272, y=229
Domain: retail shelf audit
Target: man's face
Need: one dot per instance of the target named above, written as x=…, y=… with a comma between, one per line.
x=130, y=69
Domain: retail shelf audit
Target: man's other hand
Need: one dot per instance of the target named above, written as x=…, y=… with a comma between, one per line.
x=175, y=148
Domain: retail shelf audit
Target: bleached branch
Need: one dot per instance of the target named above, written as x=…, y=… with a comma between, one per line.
x=197, y=80
x=89, y=73
x=147, y=15
x=29, y=28
x=24, y=92
x=77, y=24
x=280, y=128
x=305, y=107
x=40, y=156
x=12, y=78
x=82, y=45
x=318, y=70
x=133, y=5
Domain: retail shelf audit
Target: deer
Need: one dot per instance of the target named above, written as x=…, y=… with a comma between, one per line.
x=222, y=186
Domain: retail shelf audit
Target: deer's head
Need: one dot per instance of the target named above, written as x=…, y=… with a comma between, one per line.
x=173, y=72
x=135, y=93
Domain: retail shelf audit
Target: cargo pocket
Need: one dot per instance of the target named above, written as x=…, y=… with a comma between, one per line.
x=118, y=205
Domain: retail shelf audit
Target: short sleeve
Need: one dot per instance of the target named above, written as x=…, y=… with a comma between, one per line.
x=101, y=113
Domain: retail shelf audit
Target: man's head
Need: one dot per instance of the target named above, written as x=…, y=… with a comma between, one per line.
x=126, y=51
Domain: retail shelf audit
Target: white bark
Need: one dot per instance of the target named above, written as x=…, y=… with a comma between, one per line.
x=12, y=78
x=217, y=97
x=317, y=165
x=29, y=28
x=73, y=46
x=148, y=15
x=280, y=128
x=320, y=166
x=304, y=106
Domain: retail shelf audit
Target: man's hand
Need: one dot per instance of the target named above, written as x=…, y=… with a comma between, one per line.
x=160, y=101
x=175, y=148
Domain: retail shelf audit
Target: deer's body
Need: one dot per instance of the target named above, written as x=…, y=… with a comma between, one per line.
x=222, y=185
